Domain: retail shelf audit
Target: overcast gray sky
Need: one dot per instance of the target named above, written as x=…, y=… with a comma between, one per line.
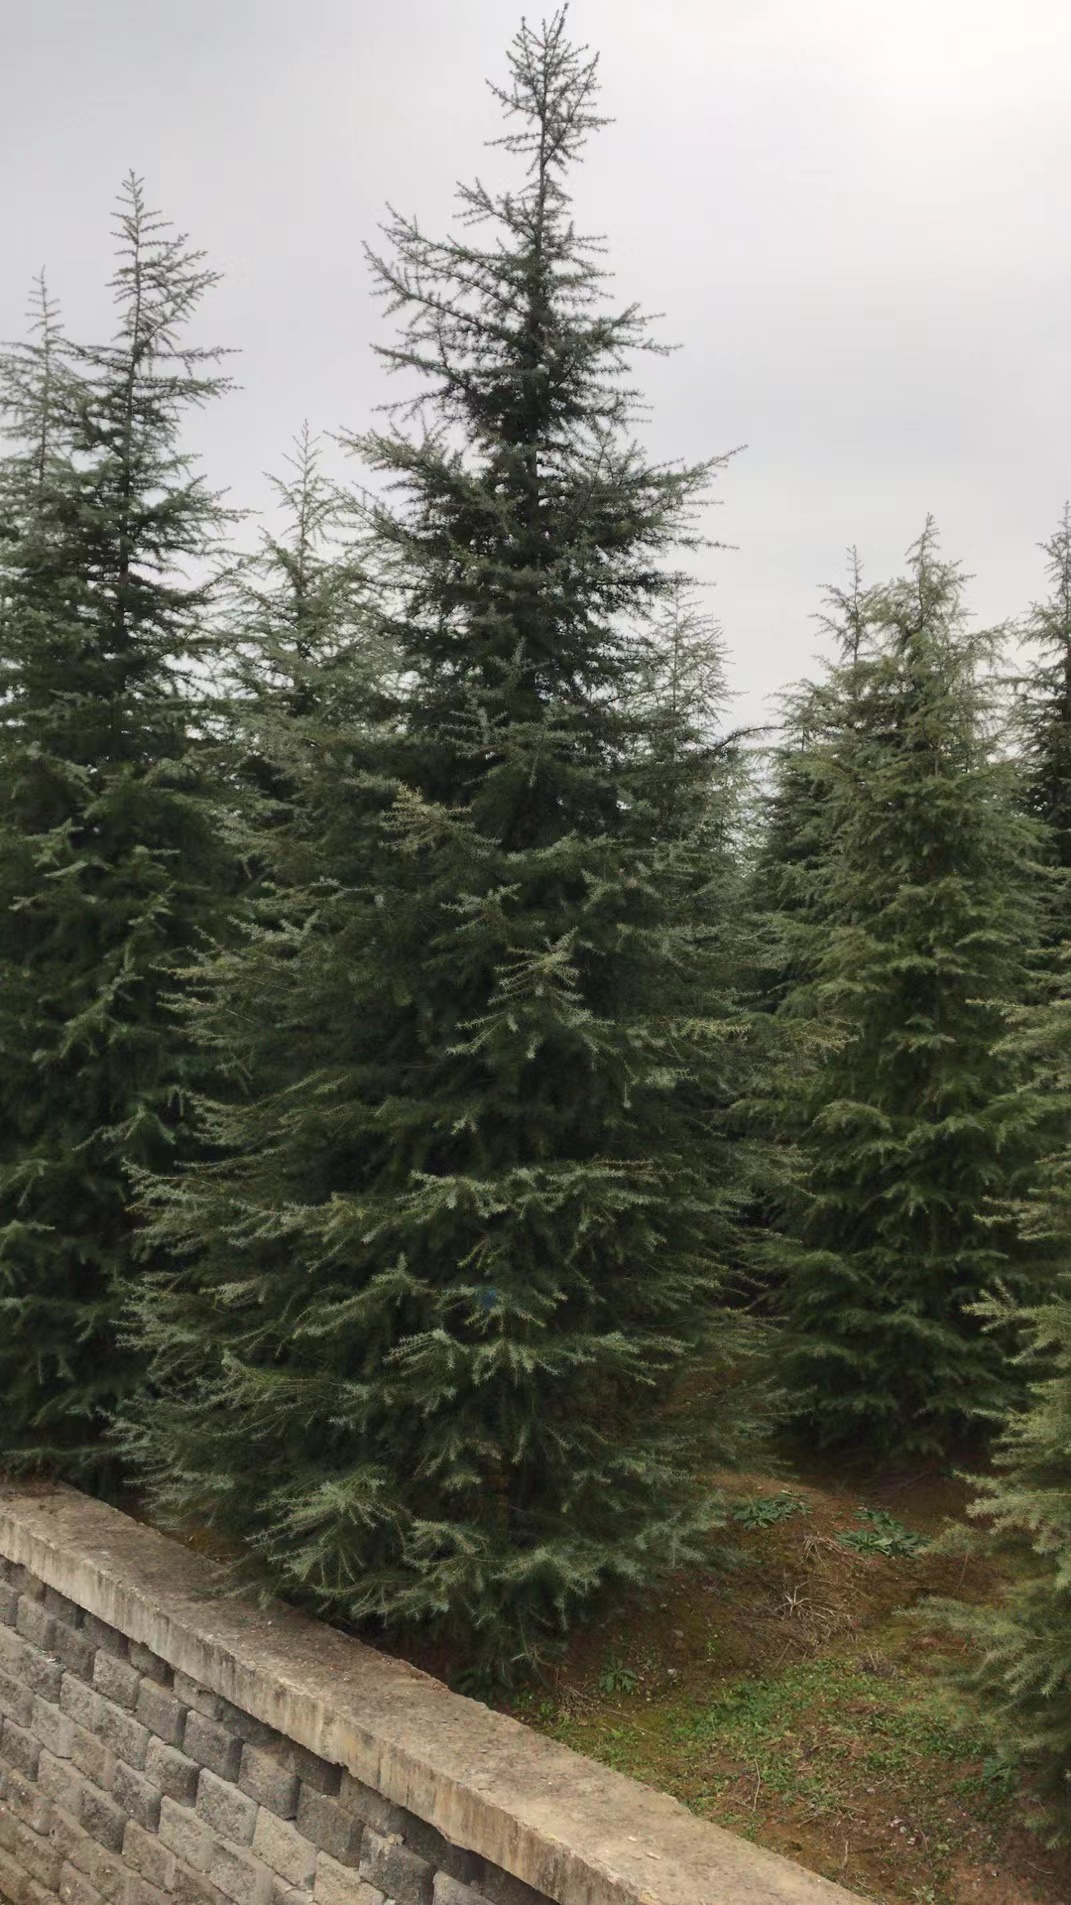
x=853, y=215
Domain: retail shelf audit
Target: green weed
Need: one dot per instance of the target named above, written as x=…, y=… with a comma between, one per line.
x=616, y=1678
x=881, y=1533
x=764, y=1511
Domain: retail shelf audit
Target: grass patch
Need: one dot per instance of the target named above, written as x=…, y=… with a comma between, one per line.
x=794, y=1702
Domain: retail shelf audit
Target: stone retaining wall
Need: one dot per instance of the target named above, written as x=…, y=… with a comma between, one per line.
x=164, y=1744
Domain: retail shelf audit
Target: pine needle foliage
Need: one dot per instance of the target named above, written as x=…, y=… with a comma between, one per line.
x=1020, y=1652
x=110, y=865
x=468, y=1225
x=911, y=934
x=1046, y=720
x=300, y=648
x=798, y=814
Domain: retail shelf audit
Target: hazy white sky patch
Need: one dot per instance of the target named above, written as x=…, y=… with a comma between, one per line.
x=853, y=217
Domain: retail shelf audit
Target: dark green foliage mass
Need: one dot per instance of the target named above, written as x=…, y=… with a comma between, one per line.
x=420, y=1316
x=1020, y=1660
x=798, y=811
x=1046, y=723
x=911, y=931
x=110, y=865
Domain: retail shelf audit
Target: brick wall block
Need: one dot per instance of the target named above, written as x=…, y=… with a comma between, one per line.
x=126, y=1737
x=370, y=1807
x=182, y=1832
x=75, y=1649
x=102, y=1818
x=212, y=1745
x=192, y=1694
x=158, y=1709
x=172, y=1772
x=16, y=1701
x=283, y=1894
x=320, y=1774
x=139, y=1798
x=140, y=1892
x=52, y=1728
x=92, y=1757
x=34, y=1622
x=60, y=1781
x=75, y=1889
x=80, y=1703
x=255, y=1732
x=12, y=1878
x=330, y=1827
x=9, y=1603
x=150, y=1664
x=341, y=1885
x=284, y=1849
x=430, y=1844
x=67, y=1835
x=466, y=1867
x=67, y=1611
x=101, y=1635
x=38, y=1858
x=229, y=1812
x=239, y=1875
x=449, y=1891
x=27, y=1664
x=268, y=1782
x=116, y=1679
x=147, y=1856
x=42, y=1674
x=105, y=1872
x=501, y=1888
x=34, y=1894
x=25, y=1800
x=19, y=1748
x=192, y=1888
x=392, y=1868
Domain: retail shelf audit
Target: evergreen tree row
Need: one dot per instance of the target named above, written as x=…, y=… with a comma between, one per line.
x=427, y=1035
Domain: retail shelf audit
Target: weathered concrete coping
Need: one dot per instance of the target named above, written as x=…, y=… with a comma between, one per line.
x=570, y=1828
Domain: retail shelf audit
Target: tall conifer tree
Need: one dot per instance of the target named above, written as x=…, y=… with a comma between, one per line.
x=110, y=865
x=913, y=931
x=425, y=1309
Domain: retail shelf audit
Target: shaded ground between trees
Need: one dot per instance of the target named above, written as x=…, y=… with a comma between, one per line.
x=795, y=1700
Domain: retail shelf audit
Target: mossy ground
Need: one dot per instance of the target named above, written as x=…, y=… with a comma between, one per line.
x=795, y=1699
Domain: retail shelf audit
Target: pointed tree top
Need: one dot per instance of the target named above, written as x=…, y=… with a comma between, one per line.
x=552, y=87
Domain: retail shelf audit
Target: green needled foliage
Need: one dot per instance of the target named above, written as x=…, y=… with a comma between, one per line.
x=911, y=933
x=425, y=1310
x=798, y=811
x=110, y=865
x=1021, y=1651
x=1046, y=721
